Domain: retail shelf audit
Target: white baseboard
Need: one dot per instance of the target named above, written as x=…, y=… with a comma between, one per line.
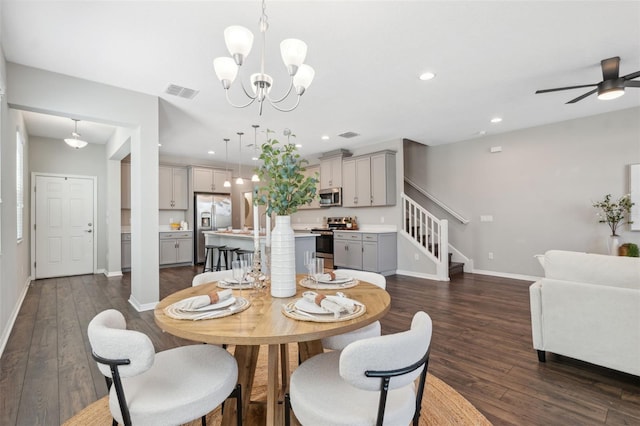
x=141, y=307
x=112, y=274
x=506, y=275
x=418, y=275
x=14, y=315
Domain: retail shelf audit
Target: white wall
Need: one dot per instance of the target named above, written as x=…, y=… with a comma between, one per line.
x=48, y=155
x=539, y=189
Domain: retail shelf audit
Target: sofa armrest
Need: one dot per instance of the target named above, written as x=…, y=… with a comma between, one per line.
x=535, y=301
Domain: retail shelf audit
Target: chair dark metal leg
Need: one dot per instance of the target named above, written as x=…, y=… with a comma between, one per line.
x=204, y=420
x=287, y=409
x=541, y=356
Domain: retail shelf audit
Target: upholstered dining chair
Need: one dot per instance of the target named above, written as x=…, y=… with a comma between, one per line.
x=170, y=387
x=207, y=277
x=370, y=382
x=340, y=341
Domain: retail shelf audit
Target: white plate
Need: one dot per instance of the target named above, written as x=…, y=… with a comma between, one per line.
x=234, y=281
x=338, y=280
x=311, y=308
x=226, y=302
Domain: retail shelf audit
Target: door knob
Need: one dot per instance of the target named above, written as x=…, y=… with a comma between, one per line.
x=88, y=230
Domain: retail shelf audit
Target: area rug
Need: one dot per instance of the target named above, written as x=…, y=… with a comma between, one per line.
x=441, y=405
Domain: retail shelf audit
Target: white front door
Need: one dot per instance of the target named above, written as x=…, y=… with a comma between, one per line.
x=64, y=226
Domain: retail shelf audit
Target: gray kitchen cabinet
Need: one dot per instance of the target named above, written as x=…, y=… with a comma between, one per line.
x=369, y=180
x=312, y=171
x=125, y=185
x=331, y=172
x=373, y=252
x=176, y=247
x=172, y=188
x=125, y=251
x=210, y=180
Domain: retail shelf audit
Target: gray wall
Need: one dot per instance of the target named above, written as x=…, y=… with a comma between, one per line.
x=48, y=155
x=539, y=189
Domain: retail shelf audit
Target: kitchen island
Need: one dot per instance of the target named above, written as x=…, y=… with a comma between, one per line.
x=244, y=240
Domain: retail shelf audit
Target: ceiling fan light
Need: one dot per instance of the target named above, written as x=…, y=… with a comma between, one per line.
x=608, y=94
x=239, y=41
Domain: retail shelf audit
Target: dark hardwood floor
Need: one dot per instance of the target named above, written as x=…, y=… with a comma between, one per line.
x=481, y=347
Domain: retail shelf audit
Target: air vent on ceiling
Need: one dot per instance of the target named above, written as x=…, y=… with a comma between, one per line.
x=183, y=92
x=349, y=135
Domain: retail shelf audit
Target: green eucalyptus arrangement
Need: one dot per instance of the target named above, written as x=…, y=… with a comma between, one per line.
x=284, y=187
x=613, y=212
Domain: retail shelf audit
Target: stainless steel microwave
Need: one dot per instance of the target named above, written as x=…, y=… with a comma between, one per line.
x=330, y=197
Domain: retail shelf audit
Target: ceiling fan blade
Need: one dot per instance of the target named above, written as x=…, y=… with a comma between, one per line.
x=632, y=84
x=579, y=98
x=610, y=68
x=632, y=75
x=565, y=88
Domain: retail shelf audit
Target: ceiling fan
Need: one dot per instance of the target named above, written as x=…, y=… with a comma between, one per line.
x=611, y=87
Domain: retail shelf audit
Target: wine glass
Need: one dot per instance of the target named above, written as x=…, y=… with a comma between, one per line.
x=309, y=257
x=318, y=270
x=238, y=273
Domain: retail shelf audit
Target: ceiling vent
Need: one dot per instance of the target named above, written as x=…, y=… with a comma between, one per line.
x=349, y=135
x=183, y=92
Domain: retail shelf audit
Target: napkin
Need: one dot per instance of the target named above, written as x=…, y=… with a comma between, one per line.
x=336, y=305
x=195, y=302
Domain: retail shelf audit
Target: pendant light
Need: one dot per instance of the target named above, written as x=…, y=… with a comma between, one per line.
x=75, y=141
x=239, y=180
x=255, y=177
x=227, y=183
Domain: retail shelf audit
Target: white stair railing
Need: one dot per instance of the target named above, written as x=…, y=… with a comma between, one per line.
x=428, y=233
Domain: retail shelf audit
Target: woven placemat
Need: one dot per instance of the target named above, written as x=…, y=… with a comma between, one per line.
x=309, y=283
x=238, y=306
x=289, y=310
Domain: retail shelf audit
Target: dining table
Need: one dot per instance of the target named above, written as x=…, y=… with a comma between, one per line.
x=266, y=322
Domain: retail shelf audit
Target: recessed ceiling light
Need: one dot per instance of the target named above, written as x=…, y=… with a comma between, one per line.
x=298, y=145
x=325, y=138
x=254, y=158
x=482, y=132
x=159, y=144
x=211, y=152
x=427, y=76
x=496, y=119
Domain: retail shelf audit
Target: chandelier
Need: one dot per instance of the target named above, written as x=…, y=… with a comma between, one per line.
x=239, y=41
x=75, y=141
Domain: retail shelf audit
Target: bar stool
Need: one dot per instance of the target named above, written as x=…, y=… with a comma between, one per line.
x=228, y=253
x=240, y=252
x=209, y=255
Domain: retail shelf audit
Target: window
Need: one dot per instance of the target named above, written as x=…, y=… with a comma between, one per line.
x=19, y=184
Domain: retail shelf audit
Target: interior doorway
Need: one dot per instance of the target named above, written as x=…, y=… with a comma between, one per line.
x=63, y=241
x=247, y=209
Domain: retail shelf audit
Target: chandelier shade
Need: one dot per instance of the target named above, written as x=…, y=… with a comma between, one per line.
x=239, y=41
x=75, y=141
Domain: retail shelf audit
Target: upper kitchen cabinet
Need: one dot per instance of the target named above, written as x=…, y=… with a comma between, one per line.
x=173, y=189
x=125, y=185
x=210, y=180
x=312, y=171
x=331, y=168
x=369, y=180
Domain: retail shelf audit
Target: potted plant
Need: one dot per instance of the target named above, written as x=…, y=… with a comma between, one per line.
x=613, y=213
x=284, y=188
x=629, y=249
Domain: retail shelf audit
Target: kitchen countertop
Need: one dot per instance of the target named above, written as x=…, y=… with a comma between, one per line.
x=249, y=234
x=161, y=228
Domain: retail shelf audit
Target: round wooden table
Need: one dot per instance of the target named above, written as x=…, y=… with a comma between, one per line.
x=263, y=323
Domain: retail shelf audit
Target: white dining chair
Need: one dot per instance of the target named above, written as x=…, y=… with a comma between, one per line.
x=370, y=382
x=340, y=341
x=207, y=277
x=170, y=387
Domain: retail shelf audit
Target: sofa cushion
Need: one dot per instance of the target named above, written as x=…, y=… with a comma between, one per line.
x=615, y=271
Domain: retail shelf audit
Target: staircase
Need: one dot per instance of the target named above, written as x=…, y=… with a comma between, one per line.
x=430, y=234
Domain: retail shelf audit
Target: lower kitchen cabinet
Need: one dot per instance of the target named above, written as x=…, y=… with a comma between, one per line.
x=374, y=252
x=176, y=247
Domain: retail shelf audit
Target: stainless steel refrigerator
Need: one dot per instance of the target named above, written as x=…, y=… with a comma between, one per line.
x=212, y=212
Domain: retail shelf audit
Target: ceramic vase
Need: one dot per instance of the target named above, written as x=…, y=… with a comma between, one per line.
x=614, y=243
x=283, y=258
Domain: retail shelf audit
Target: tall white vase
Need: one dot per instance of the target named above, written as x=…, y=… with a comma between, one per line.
x=614, y=243
x=283, y=258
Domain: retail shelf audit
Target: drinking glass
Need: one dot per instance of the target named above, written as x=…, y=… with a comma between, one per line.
x=237, y=270
x=309, y=257
x=318, y=266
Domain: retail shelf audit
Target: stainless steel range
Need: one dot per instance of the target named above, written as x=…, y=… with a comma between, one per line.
x=324, y=241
